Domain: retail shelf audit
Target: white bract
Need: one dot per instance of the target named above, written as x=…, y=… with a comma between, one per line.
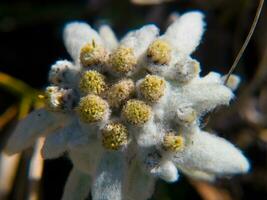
x=127, y=113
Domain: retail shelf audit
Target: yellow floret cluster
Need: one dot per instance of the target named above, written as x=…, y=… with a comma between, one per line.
x=136, y=112
x=152, y=88
x=53, y=98
x=173, y=142
x=159, y=52
x=92, y=108
x=112, y=103
x=92, y=82
x=114, y=136
x=92, y=54
x=122, y=60
x=120, y=92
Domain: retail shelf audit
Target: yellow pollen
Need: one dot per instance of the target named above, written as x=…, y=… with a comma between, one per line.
x=92, y=108
x=152, y=88
x=120, y=92
x=136, y=112
x=159, y=52
x=54, y=98
x=92, y=54
x=123, y=60
x=172, y=142
x=114, y=136
x=92, y=82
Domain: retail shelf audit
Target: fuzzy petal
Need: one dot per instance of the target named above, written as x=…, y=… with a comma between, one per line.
x=138, y=184
x=56, y=144
x=108, y=179
x=140, y=39
x=85, y=156
x=77, y=186
x=211, y=154
x=199, y=175
x=64, y=74
x=212, y=77
x=59, y=142
x=76, y=35
x=108, y=37
x=166, y=171
x=149, y=135
x=37, y=123
x=186, y=32
x=206, y=96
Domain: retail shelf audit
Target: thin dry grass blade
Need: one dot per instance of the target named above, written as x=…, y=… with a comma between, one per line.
x=13, y=85
x=25, y=106
x=209, y=192
x=149, y=2
x=244, y=46
x=8, y=170
x=8, y=115
x=35, y=171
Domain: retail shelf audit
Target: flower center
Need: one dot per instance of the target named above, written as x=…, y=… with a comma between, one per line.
x=152, y=88
x=159, y=52
x=172, y=142
x=92, y=54
x=92, y=108
x=92, y=82
x=136, y=112
x=123, y=60
x=114, y=136
x=120, y=92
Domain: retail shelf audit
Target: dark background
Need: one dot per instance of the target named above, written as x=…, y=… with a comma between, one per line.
x=31, y=40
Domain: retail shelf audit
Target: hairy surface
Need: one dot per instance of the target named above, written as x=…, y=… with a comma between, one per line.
x=150, y=88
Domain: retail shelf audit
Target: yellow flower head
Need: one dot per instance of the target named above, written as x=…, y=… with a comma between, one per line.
x=120, y=92
x=159, y=52
x=92, y=82
x=123, y=60
x=114, y=136
x=54, y=98
x=92, y=54
x=92, y=108
x=172, y=142
x=136, y=112
x=152, y=88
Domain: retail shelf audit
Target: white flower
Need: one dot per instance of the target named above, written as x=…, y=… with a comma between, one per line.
x=129, y=112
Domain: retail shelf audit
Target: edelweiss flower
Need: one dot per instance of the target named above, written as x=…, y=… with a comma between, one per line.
x=128, y=113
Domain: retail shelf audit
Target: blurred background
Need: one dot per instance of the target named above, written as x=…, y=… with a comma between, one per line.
x=31, y=40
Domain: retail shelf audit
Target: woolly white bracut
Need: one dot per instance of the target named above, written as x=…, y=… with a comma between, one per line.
x=127, y=113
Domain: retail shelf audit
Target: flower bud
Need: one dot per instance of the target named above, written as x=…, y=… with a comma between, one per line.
x=186, y=115
x=92, y=108
x=114, y=136
x=159, y=52
x=57, y=99
x=172, y=142
x=136, y=112
x=152, y=88
x=92, y=54
x=185, y=72
x=120, y=92
x=123, y=60
x=92, y=82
